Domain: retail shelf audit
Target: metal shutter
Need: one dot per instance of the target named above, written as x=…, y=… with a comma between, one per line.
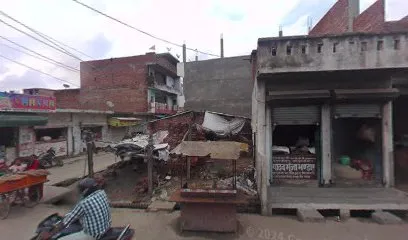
x=304, y=115
x=358, y=111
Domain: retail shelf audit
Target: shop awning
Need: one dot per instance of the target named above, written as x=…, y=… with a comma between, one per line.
x=123, y=121
x=366, y=94
x=303, y=95
x=15, y=120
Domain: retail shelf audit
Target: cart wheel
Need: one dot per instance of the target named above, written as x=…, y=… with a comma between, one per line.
x=5, y=206
x=33, y=197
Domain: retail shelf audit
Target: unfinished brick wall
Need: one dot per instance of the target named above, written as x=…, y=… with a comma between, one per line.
x=121, y=81
x=67, y=99
x=372, y=19
x=334, y=22
x=178, y=126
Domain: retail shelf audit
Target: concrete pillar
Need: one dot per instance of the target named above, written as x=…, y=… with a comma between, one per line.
x=387, y=145
x=70, y=141
x=353, y=12
x=262, y=164
x=326, y=141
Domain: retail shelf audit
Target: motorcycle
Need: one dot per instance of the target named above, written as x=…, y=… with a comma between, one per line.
x=48, y=226
x=48, y=159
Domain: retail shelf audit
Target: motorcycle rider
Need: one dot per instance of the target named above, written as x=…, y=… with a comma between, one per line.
x=92, y=210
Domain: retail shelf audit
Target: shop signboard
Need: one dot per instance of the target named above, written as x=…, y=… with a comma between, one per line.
x=292, y=167
x=24, y=102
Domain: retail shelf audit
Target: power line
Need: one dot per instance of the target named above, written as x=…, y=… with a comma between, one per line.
x=51, y=46
x=37, y=55
x=45, y=36
x=34, y=69
x=139, y=30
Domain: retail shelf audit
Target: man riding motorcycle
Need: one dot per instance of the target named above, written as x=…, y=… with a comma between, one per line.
x=92, y=210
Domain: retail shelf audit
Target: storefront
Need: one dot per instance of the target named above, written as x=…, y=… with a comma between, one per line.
x=357, y=144
x=121, y=127
x=18, y=116
x=295, y=144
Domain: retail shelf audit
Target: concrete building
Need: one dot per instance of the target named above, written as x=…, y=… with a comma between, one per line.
x=322, y=103
x=221, y=85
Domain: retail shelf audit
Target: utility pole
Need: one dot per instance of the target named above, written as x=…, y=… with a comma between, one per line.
x=222, y=46
x=89, y=138
x=196, y=55
x=149, y=157
x=184, y=52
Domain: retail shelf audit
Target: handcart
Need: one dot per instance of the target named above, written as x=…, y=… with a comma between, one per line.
x=25, y=188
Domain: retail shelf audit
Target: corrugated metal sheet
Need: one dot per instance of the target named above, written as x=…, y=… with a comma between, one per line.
x=302, y=115
x=357, y=111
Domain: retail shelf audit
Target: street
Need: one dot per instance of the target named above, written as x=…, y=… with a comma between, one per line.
x=22, y=222
x=74, y=167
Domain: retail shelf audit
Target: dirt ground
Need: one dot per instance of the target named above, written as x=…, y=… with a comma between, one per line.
x=126, y=183
x=166, y=226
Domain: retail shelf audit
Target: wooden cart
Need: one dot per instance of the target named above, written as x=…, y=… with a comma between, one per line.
x=24, y=188
x=203, y=209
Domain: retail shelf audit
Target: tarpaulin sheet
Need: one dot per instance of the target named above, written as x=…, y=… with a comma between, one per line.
x=221, y=126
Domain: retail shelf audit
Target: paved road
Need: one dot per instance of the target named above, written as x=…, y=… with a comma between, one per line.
x=74, y=167
x=22, y=221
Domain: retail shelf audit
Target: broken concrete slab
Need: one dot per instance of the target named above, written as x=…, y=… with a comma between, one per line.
x=382, y=217
x=309, y=215
x=161, y=206
x=53, y=194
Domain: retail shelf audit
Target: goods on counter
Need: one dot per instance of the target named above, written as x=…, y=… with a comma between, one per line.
x=345, y=160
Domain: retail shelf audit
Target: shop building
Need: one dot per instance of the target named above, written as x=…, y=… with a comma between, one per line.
x=322, y=107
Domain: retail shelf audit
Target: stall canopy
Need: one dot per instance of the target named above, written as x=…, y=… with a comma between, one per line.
x=15, y=120
x=123, y=121
x=216, y=150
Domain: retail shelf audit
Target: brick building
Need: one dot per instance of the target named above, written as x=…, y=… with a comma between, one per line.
x=137, y=84
x=345, y=16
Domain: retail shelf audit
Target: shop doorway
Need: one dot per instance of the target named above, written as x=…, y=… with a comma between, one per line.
x=357, y=152
x=296, y=155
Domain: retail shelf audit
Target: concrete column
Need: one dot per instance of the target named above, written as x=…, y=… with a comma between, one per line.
x=353, y=12
x=326, y=141
x=262, y=165
x=70, y=141
x=387, y=145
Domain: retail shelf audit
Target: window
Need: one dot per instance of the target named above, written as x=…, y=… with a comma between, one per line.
x=397, y=44
x=363, y=46
x=319, y=47
x=335, y=47
x=380, y=45
x=289, y=50
x=303, y=49
x=273, y=51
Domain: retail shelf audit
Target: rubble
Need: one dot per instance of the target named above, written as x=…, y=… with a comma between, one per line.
x=242, y=184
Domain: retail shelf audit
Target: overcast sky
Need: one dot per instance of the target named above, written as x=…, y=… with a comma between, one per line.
x=199, y=23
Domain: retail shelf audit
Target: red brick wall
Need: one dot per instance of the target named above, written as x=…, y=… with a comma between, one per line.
x=334, y=22
x=177, y=127
x=372, y=19
x=121, y=81
x=67, y=99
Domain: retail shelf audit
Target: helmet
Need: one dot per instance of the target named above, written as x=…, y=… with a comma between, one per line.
x=87, y=186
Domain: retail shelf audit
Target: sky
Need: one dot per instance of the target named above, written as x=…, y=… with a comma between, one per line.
x=199, y=24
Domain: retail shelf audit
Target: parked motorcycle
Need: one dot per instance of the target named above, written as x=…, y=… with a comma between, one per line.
x=49, y=223
x=49, y=159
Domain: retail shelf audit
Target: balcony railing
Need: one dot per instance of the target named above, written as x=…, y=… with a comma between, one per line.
x=162, y=108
